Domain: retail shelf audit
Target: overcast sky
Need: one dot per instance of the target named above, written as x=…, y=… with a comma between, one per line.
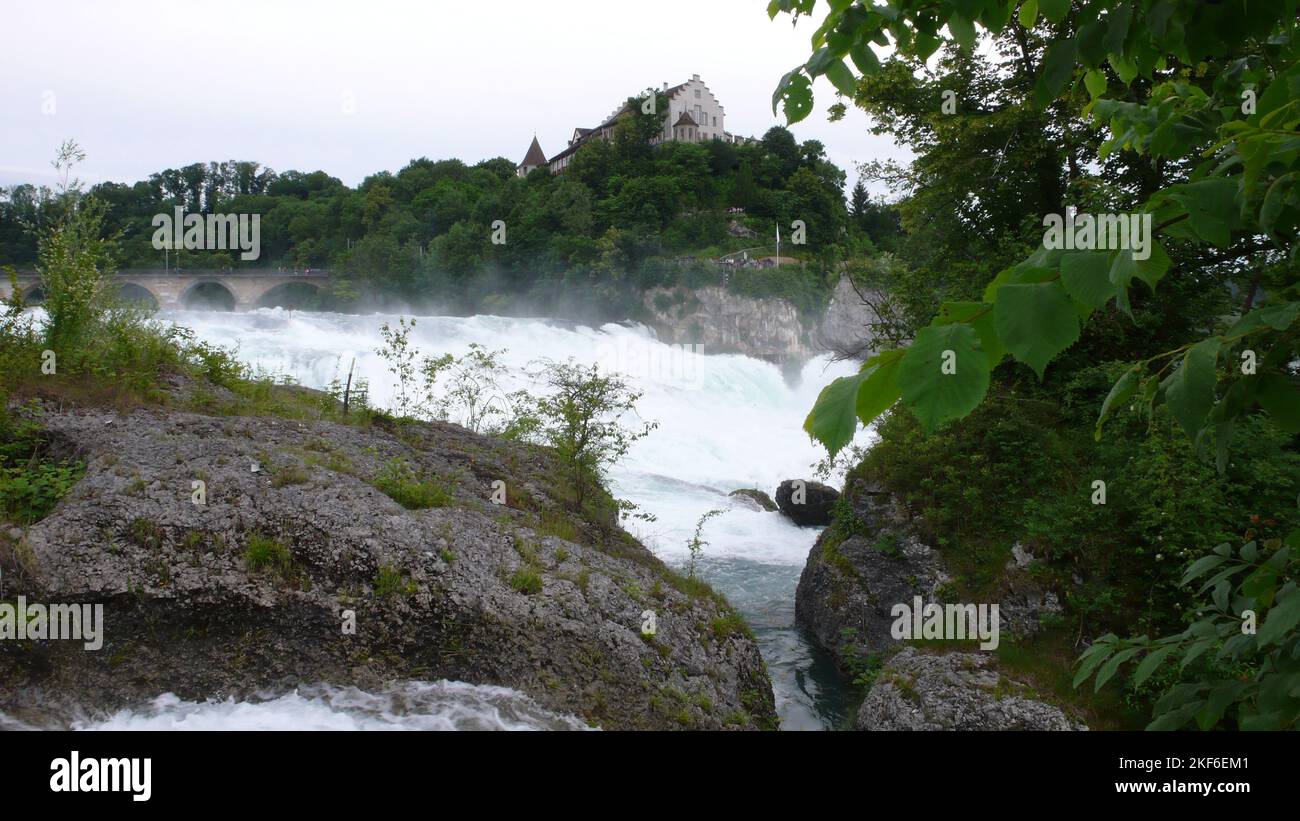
x=144, y=85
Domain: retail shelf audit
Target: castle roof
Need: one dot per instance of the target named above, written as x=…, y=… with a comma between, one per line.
x=535, y=155
x=685, y=119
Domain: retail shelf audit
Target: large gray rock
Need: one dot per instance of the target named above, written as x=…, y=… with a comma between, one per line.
x=850, y=584
x=953, y=691
x=760, y=499
x=523, y=595
x=807, y=503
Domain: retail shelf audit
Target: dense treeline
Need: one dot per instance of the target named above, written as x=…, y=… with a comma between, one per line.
x=620, y=220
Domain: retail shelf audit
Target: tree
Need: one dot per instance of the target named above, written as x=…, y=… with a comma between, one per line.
x=859, y=201
x=1210, y=88
x=580, y=416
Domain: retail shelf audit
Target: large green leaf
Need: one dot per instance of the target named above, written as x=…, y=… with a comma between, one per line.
x=841, y=78
x=1280, y=399
x=963, y=31
x=1056, y=71
x=933, y=395
x=1282, y=618
x=1190, y=390
x=1277, y=317
x=834, y=417
x=1211, y=208
x=880, y=390
x=1035, y=322
x=979, y=315
x=850, y=399
x=1122, y=391
x=1054, y=10
x=1028, y=13
x=794, y=94
x=1086, y=277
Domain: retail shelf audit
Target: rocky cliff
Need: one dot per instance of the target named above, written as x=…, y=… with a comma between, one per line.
x=766, y=328
x=844, y=328
x=723, y=322
x=873, y=558
x=232, y=552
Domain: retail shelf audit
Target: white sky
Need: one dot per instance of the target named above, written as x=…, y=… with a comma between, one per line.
x=147, y=85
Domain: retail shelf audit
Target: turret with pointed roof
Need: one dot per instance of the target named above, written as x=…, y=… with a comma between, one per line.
x=535, y=158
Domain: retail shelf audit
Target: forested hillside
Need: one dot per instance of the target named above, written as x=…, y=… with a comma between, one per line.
x=626, y=216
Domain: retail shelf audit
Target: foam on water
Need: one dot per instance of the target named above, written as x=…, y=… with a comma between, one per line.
x=414, y=705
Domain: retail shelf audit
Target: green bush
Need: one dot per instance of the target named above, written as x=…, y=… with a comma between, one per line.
x=264, y=553
x=399, y=482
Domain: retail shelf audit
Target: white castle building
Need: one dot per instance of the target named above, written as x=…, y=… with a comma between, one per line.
x=694, y=115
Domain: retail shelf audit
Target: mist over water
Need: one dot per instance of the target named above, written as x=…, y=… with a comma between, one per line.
x=725, y=422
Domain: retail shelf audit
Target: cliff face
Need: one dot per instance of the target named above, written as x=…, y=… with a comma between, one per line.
x=766, y=328
x=253, y=590
x=723, y=322
x=843, y=329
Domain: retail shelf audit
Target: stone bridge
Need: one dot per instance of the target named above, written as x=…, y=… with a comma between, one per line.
x=178, y=290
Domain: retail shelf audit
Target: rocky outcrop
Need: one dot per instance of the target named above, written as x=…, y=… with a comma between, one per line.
x=953, y=691
x=723, y=322
x=851, y=582
x=1025, y=601
x=844, y=330
x=807, y=503
x=253, y=590
x=758, y=497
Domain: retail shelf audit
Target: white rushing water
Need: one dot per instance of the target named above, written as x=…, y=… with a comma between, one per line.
x=725, y=422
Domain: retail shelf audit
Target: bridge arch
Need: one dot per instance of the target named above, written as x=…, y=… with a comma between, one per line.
x=137, y=294
x=208, y=295
x=296, y=295
x=33, y=294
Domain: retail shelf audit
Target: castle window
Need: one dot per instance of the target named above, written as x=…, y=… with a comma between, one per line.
x=697, y=94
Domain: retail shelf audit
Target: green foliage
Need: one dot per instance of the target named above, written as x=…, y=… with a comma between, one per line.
x=1238, y=659
x=696, y=543
x=391, y=581
x=526, y=580
x=399, y=481
x=73, y=260
x=580, y=417
x=1198, y=63
x=588, y=241
x=28, y=493
x=31, y=482
x=265, y=554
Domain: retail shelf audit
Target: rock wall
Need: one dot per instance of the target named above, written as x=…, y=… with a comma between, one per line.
x=766, y=328
x=723, y=322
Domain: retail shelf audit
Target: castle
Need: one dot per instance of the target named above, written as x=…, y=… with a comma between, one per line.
x=694, y=115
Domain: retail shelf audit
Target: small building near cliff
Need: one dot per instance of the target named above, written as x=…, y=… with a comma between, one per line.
x=693, y=115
